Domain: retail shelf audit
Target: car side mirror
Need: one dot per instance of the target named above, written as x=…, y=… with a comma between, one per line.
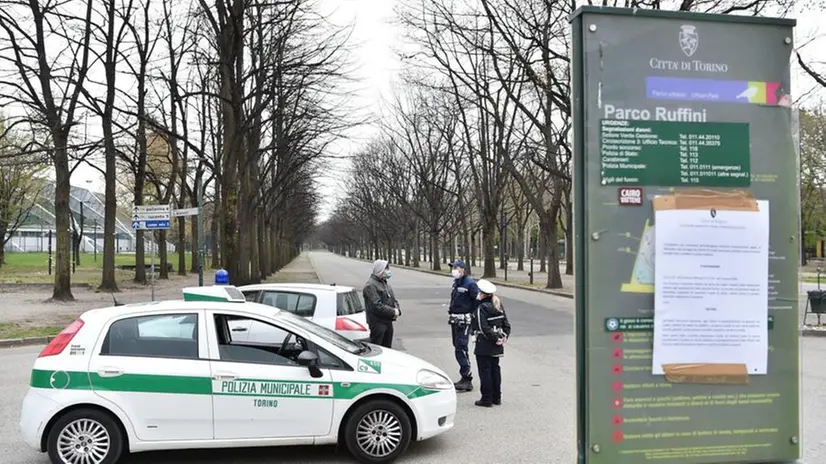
x=310, y=360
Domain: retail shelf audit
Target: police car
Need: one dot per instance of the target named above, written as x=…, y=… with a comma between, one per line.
x=335, y=307
x=170, y=375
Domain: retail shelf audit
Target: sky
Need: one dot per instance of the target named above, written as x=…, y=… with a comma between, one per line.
x=375, y=38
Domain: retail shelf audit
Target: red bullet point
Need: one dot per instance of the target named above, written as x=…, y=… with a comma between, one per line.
x=616, y=387
x=617, y=420
x=616, y=337
x=616, y=353
x=617, y=403
x=617, y=436
x=617, y=369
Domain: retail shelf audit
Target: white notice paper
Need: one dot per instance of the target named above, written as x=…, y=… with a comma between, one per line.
x=711, y=287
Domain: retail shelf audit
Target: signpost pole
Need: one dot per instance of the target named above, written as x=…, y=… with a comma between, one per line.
x=152, y=264
x=151, y=217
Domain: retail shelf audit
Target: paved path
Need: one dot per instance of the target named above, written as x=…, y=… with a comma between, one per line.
x=534, y=425
x=514, y=277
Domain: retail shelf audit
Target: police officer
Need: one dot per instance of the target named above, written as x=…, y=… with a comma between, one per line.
x=491, y=329
x=462, y=304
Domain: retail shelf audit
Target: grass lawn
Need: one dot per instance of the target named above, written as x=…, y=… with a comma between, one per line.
x=15, y=330
x=34, y=267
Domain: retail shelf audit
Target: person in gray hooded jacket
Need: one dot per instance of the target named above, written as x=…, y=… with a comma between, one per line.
x=381, y=305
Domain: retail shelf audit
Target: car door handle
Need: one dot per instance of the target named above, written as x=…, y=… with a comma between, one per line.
x=239, y=329
x=110, y=371
x=224, y=376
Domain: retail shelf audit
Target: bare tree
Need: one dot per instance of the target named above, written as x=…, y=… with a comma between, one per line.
x=49, y=83
x=21, y=184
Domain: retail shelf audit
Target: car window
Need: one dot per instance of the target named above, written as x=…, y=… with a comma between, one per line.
x=300, y=304
x=324, y=333
x=251, y=295
x=349, y=303
x=244, y=339
x=326, y=359
x=166, y=335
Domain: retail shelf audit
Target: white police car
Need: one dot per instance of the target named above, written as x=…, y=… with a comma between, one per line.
x=168, y=375
x=335, y=307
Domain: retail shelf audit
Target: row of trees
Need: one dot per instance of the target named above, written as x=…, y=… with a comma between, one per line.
x=238, y=97
x=476, y=153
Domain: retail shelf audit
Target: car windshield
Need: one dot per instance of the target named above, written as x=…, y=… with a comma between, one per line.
x=324, y=333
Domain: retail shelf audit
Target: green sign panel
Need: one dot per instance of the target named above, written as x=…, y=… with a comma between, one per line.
x=674, y=153
x=663, y=103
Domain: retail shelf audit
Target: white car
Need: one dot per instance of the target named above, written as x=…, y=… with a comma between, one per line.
x=335, y=307
x=171, y=375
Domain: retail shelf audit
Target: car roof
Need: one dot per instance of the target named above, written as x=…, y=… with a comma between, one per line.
x=298, y=286
x=150, y=307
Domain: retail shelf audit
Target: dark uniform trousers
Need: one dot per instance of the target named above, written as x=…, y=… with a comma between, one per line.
x=490, y=378
x=460, y=330
x=381, y=333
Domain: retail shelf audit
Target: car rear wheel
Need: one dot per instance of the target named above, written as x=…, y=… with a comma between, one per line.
x=85, y=436
x=378, y=431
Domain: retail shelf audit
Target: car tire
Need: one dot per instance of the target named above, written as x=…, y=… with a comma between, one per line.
x=377, y=432
x=89, y=429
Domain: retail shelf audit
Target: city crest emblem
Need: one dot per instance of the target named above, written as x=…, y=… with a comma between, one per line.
x=688, y=39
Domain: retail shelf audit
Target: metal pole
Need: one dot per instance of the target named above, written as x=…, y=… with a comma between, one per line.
x=152, y=265
x=96, y=240
x=201, y=239
x=80, y=235
x=531, y=265
x=50, y=252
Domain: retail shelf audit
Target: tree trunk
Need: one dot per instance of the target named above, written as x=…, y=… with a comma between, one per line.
x=435, y=259
x=163, y=254
x=3, y=231
x=543, y=250
x=62, y=276
x=473, y=244
x=182, y=239
x=547, y=226
x=107, y=281
x=417, y=244
x=215, y=228
x=263, y=251
x=520, y=244
x=489, y=247
x=569, y=239
x=196, y=244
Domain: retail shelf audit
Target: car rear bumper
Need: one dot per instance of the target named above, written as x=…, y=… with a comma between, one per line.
x=35, y=413
x=436, y=413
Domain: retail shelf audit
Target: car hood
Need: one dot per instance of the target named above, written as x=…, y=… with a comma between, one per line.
x=395, y=362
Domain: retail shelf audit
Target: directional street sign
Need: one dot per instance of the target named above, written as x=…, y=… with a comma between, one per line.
x=185, y=212
x=150, y=224
x=150, y=216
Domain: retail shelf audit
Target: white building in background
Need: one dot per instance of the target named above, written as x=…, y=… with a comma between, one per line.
x=86, y=207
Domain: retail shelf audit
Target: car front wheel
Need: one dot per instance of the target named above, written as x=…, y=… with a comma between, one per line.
x=378, y=431
x=85, y=436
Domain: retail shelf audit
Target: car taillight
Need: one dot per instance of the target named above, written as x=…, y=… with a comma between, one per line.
x=62, y=340
x=343, y=323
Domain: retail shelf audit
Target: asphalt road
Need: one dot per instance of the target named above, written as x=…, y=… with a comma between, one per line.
x=534, y=425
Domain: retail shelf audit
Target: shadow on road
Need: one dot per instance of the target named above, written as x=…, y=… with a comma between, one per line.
x=428, y=451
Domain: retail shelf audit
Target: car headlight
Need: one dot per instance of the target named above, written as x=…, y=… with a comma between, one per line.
x=432, y=380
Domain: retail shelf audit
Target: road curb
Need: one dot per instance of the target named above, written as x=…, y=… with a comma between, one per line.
x=812, y=333
x=43, y=285
x=497, y=281
x=315, y=271
x=28, y=341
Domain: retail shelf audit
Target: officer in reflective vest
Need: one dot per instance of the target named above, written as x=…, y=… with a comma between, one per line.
x=462, y=305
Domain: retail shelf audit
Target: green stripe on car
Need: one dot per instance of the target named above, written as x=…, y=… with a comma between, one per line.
x=176, y=384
